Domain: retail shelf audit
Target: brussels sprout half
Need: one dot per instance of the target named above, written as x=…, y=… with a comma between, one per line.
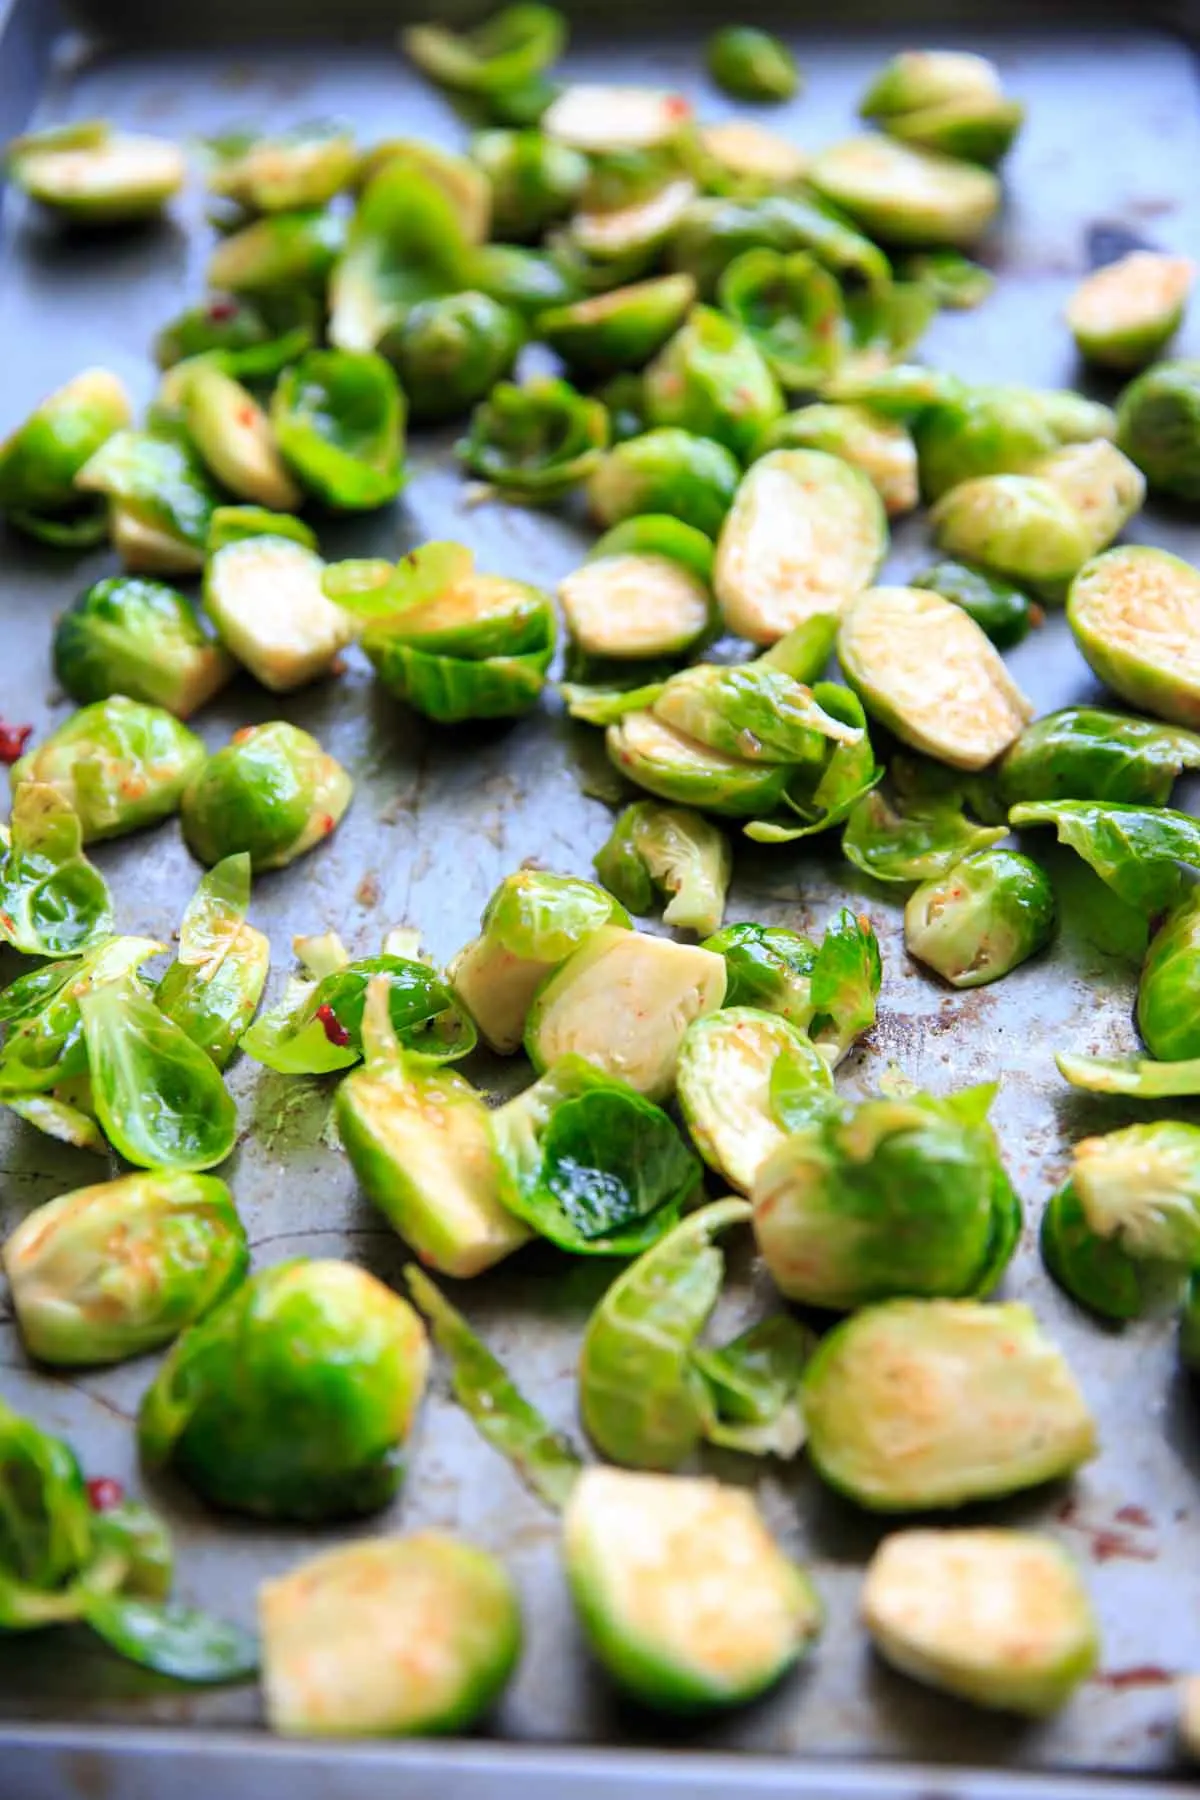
x=1136, y=851
x=635, y=606
x=627, y=237
x=713, y=231
x=536, y=440
x=1000, y=430
x=411, y=238
x=945, y=100
x=882, y=448
x=1140, y=1187
x=767, y=967
x=506, y=51
x=711, y=379
x=284, y=251
x=306, y=166
x=1097, y=1271
x=450, y=350
x=904, y=195
x=981, y=1403
x=272, y=792
x=668, y=471
x=618, y=330
x=264, y=596
x=1158, y=427
x=534, y=181
x=685, y=1597
x=339, y=423
x=339, y=1635
x=1125, y=313
x=1001, y=1618
x=751, y=64
x=142, y=639
x=1135, y=614
x=676, y=767
x=595, y=118
x=1168, y=1002
x=112, y=178
x=754, y=711
x=992, y=911
x=732, y=1066
x=743, y=159
x=118, y=764
x=40, y=458
x=655, y=851
x=1084, y=753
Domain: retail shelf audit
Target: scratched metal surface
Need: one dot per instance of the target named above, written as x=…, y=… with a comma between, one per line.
x=438, y=818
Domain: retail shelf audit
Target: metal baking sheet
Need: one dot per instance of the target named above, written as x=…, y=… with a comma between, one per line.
x=1113, y=139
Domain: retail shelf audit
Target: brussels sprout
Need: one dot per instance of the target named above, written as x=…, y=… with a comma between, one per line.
x=903, y=391
x=951, y=278
x=264, y=596
x=947, y=100
x=618, y=330
x=284, y=251
x=233, y=524
x=666, y=471
x=112, y=1271
x=919, y=831
x=1099, y=1272
x=251, y=339
x=791, y=306
x=656, y=851
x=1135, y=614
x=212, y=989
x=905, y=195
x=306, y=166
x=1158, y=427
x=982, y=1403
x=1001, y=610
x=537, y=440
x=711, y=379
x=882, y=448
x=1140, y=1188
x=527, y=281
x=753, y=711
x=636, y=604
x=160, y=500
x=44, y=1047
x=93, y=175
x=1124, y=314
x=654, y=1562
x=882, y=327
x=928, y=672
x=1001, y=1618
x=752, y=64
x=767, y=967
x=534, y=181
x=141, y=639
x=595, y=119
x=1139, y=1077
x=675, y=767
x=40, y=459
x=1083, y=753
x=991, y=912
x=1136, y=851
x=631, y=232
x=234, y=437
x=986, y=430
x=623, y=1001
x=449, y=352
x=52, y=901
x=254, y=1428
x=514, y=44
x=729, y=1067
x=410, y=240
x=118, y=764
x=339, y=423
x=805, y=533
x=754, y=1384
x=1167, y=1011
x=740, y=158
x=338, y=1635
x=713, y=231
x=272, y=791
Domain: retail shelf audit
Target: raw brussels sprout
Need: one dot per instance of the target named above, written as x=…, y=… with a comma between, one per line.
x=93, y=175
x=623, y=1002
x=455, y=644
x=1135, y=615
x=531, y=924
x=686, y=1599
x=905, y=195
x=753, y=711
x=732, y=1066
x=1001, y=1618
x=667, y=471
x=663, y=851
x=926, y=670
x=252, y=339
x=881, y=328
x=1168, y=1014
x=711, y=379
x=1001, y=610
x=899, y=1197
x=791, y=306
x=410, y=239
x=904, y=391
x=40, y=459
x=306, y=166
x=118, y=764
x=115, y=1270
x=44, y=1047
x=505, y=51
x=882, y=448
x=744, y=160
x=713, y=231
x=52, y=901
x=234, y=437
x=1098, y=1272
x=534, y=181
x=284, y=251
x=992, y=911
x=255, y=1428
x=450, y=350
x=982, y=1403
x=1136, y=851
x=1124, y=314
x=265, y=598
x=805, y=533
x=339, y=423
x=537, y=440
x=1083, y=753
x=339, y=1633
x=1140, y=1188
x=272, y=791
x=419, y=1142
x=817, y=796
x=947, y=100
x=618, y=330
x=637, y=604
x=767, y=967
x=212, y=989
x=590, y=1164
x=754, y=1385
x=989, y=430
x=596, y=119
x=752, y=64
x=233, y=524
x=1158, y=427
x=630, y=232
x=160, y=500
x=675, y=767
x=917, y=830
x=527, y=281
x=951, y=278
x=142, y=639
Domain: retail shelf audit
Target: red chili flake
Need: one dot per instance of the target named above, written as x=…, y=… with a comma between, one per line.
x=104, y=1493
x=1135, y=1515
x=1144, y=1675
x=677, y=107
x=221, y=311
x=13, y=739
x=327, y=824
x=332, y=1026
x=247, y=417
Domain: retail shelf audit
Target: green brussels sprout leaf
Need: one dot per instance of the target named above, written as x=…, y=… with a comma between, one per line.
x=212, y=989
x=161, y=496
x=1135, y=850
x=656, y=851
x=769, y=967
x=535, y=441
x=913, y=832
x=52, y=901
x=754, y=1382
x=1136, y=1077
x=408, y=241
x=791, y=306
x=508, y=50
x=339, y=422
x=174, y=1640
x=44, y=1047
x=1084, y=753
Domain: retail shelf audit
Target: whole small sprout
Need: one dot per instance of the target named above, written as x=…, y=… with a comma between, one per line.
x=711, y=379
x=665, y=471
x=92, y=175
x=903, y=195
x=534, y=181
x=142, y=639
x=450, y=351
x=945, y=100
x=1000, y=1618
x=991, y=912
x=1134, y=613
x=1125, y=314
x=1168, y=1002
x=118, y=763
x=272, y=792
x=1158, y=427
x=40, y=458
x=751, y=64
x=658, y=850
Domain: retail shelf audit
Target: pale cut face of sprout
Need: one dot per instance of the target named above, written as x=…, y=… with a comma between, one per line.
x=264, y=596
x=634, y=606
x=907, y=195
x=594, y=118
x=1135, y=614
x=124, y=175
x=604, y=234
x=744, y=148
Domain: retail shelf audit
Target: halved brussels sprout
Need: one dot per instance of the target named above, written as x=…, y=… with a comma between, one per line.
x=1125, y=313
x=732, y=1065
x=233, y=435
x=160, y=497
x=410, y=239
x=264, y=596
x=1001, y=1618
x=951, y=278
x=686, y=1599
x=40, y=458
x=882, y=448
x=212, y=989
x=753, y=711
x=904, y=391
x=947, y=100
x=536, y=440
x=97, y=176
x=676, y=767
x=767, y=967
x=306, y=166
x=656, y=851
x=667, y=471
x=623, y=1002
x=1003, y=611
x=118, y=764
x=251, y=339
x=631, y=232
x=904, y=195
x=1140, y=1188
x=535, y=182
x=805, y=533
x=1096, y=1271
x=1134, y=850
x=1083, y=753
x=450, y=350
x=339, y=1634
x=713, y=231
x=52, y=901
x=927, y=671
x=594, y=118
x=1168, y=1002
x=272, y=792
x=751, y=64
x=528, y=281
x=934, y=1403
x=254, y=1428
x=711, y=379
x=115, y=1270
x=1135, y=615
x=743, y=159
x=993, y=911
x=991, y=430
x=142, y=639
x=791, y=306
x=506, y=51
x=1158, y=427
x=282, y=252
x=621, y=329
x=531, y=924
x=916, y=830
x=339, y=423
x=635, y=605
